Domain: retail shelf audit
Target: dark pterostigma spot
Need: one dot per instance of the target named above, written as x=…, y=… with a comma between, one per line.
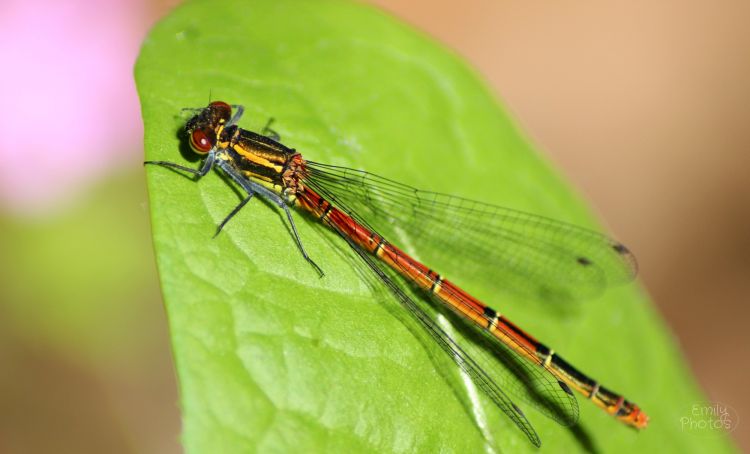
x=620, y=248
x=583, y=261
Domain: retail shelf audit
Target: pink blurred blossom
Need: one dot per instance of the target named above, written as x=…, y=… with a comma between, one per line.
x=70, y=111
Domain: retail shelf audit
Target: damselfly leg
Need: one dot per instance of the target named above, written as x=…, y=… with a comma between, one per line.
x=230, y=215
x=237, y=115
x=270, y=133
x=251, y=188
x=198, y=173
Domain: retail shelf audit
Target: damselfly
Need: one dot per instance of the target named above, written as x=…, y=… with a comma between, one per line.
x=533, y=254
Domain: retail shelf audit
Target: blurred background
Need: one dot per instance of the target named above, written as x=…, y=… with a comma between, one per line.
x=642, y=105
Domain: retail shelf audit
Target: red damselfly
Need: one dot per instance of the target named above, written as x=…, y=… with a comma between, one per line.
x=529, y=253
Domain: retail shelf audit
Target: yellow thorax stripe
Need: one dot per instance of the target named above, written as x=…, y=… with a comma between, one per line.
x=257, y=159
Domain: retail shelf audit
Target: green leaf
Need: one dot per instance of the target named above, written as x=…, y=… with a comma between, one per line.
x=272, y=358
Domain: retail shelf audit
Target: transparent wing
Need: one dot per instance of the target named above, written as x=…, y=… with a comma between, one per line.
x=515, y=367
x=476, y=367
x=509, y=250
x=495, y=367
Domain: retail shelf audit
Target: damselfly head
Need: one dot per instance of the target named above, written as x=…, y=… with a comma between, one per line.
x=205, y=125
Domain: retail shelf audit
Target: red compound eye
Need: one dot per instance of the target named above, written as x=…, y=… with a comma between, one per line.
x=220, y=110
x=221, y=104
x=201, y=142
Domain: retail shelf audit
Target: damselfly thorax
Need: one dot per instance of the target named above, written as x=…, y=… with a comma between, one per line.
x=259, y=157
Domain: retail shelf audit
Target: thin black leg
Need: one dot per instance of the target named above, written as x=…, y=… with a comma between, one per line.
x=299, y=242
x=256, y=188
x=207, y=164
x=270, y=133
x=235, y=211
x=172, y=165
x=238, y=111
